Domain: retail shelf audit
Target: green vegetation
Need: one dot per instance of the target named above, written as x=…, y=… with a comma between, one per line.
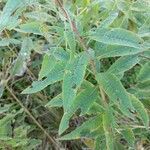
x=74, y=74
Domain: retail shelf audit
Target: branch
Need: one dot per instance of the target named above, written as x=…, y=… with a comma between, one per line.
x=51, y=140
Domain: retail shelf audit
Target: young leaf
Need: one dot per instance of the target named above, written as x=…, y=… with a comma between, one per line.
x=74, y=75
x=47, y=65
x=55, y=75
x=116, y=36
x=115, y=91
x=140, y=109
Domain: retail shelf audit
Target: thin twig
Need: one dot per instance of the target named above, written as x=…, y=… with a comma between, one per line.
x=51, y=140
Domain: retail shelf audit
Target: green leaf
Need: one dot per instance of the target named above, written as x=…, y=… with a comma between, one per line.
x=140, y=109
x=140, y=93
x=5, y=108
x=74, y=75
x=116, y=36
x=2, y=87
x=59, y=53
x=5, y=126
x=123, y=64
x=84, y=130
x=115, y=91
x=105, y=51
x=55, y=75
x=39, y=16
x=109, y=20
x=33, y=27
x=9, y=8
x=55, y=102
x=129, y=136
x=7, y=18
x=70, y=37
x=107, y=125
x=83, y=101
x=144, y=73
x=8, y=41
x=47, y=65
x=20, y=64
x=95, y=109
x=144, y=85
x=99, y=144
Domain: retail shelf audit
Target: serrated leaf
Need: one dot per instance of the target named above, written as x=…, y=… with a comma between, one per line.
x=116, y=36
x=129, y=136
x=140, y=109
x=115, y=91
x=73, y=78
x=144, y=73
x=123, y=64
x=47, y=65
x=55, y=75
x=55, y=102
x=105, y=51
x=84, y=130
